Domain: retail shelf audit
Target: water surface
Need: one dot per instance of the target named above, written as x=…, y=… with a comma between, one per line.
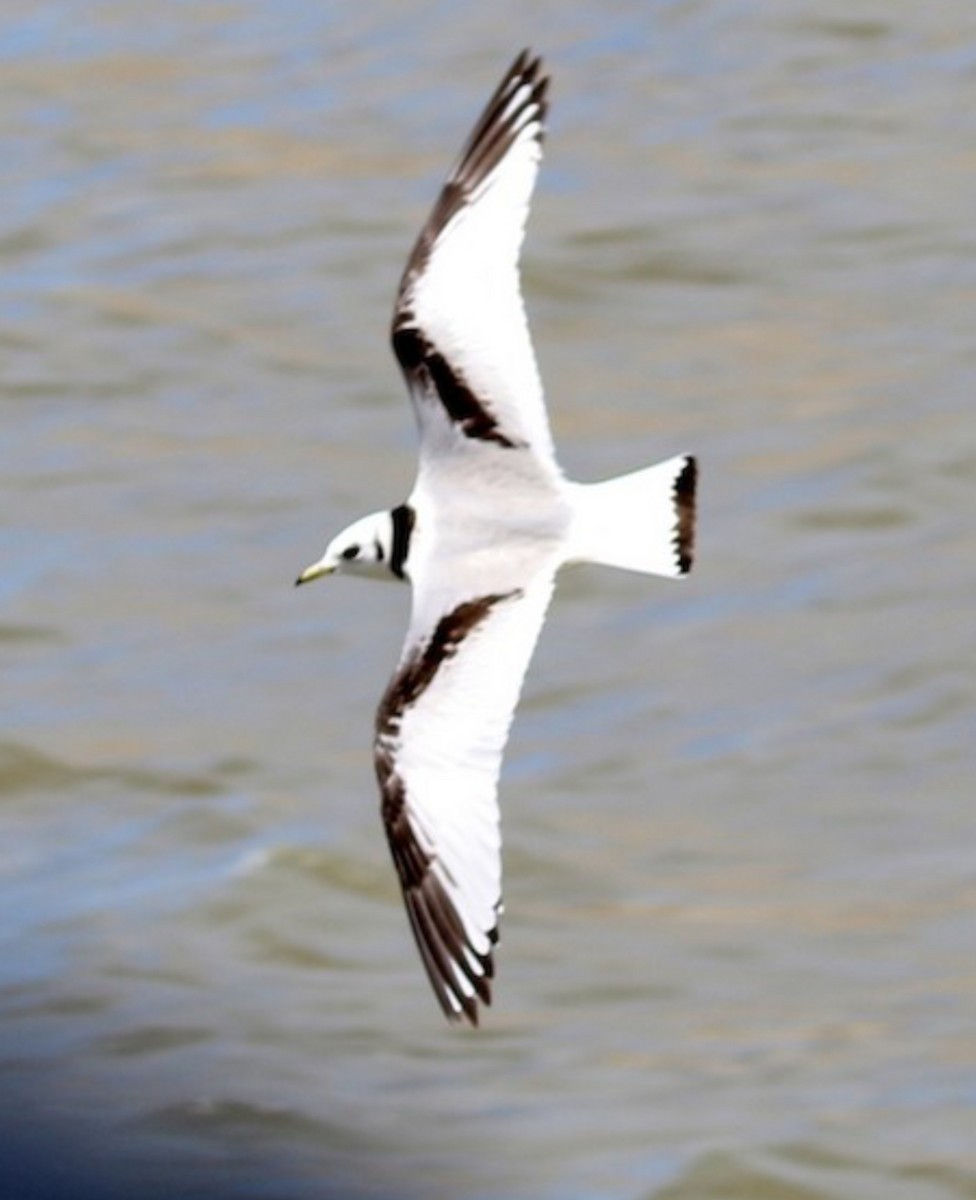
x=737, y=957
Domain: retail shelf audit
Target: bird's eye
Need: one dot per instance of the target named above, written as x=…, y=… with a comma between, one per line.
x=350, y=552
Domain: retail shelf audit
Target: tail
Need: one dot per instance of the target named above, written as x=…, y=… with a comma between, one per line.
x=644, y=521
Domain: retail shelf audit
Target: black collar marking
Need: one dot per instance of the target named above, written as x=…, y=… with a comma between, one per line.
x=403, y=518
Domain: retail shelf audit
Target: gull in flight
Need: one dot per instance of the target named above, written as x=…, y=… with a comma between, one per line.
x=489, y=522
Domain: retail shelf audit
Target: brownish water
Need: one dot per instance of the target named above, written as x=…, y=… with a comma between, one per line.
x=738, y=953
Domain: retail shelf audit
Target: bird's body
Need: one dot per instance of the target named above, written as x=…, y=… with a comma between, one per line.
x=490, y=521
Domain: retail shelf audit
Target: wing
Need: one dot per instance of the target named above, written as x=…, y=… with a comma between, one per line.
x=459, y=327
x=441, y=729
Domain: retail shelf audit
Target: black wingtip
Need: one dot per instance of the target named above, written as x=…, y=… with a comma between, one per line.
x=531, y=68
x=470, y=1009
x=526, y=62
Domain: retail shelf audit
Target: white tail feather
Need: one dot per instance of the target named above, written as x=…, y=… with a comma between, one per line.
x=644, y=521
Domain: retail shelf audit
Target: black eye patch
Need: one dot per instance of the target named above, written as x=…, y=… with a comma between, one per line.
x=350, y=552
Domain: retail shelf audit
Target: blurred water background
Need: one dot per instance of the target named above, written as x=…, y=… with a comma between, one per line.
x=739, y=952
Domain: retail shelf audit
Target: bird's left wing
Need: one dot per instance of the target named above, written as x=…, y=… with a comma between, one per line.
x=459, y=327
x=441, y=730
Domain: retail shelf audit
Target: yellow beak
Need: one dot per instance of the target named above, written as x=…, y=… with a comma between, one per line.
x=315, y=571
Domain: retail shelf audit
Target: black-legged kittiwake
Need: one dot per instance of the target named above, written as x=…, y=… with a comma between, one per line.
x=489, y=522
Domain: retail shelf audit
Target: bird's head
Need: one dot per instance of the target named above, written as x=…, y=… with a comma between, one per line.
x=362, y=549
